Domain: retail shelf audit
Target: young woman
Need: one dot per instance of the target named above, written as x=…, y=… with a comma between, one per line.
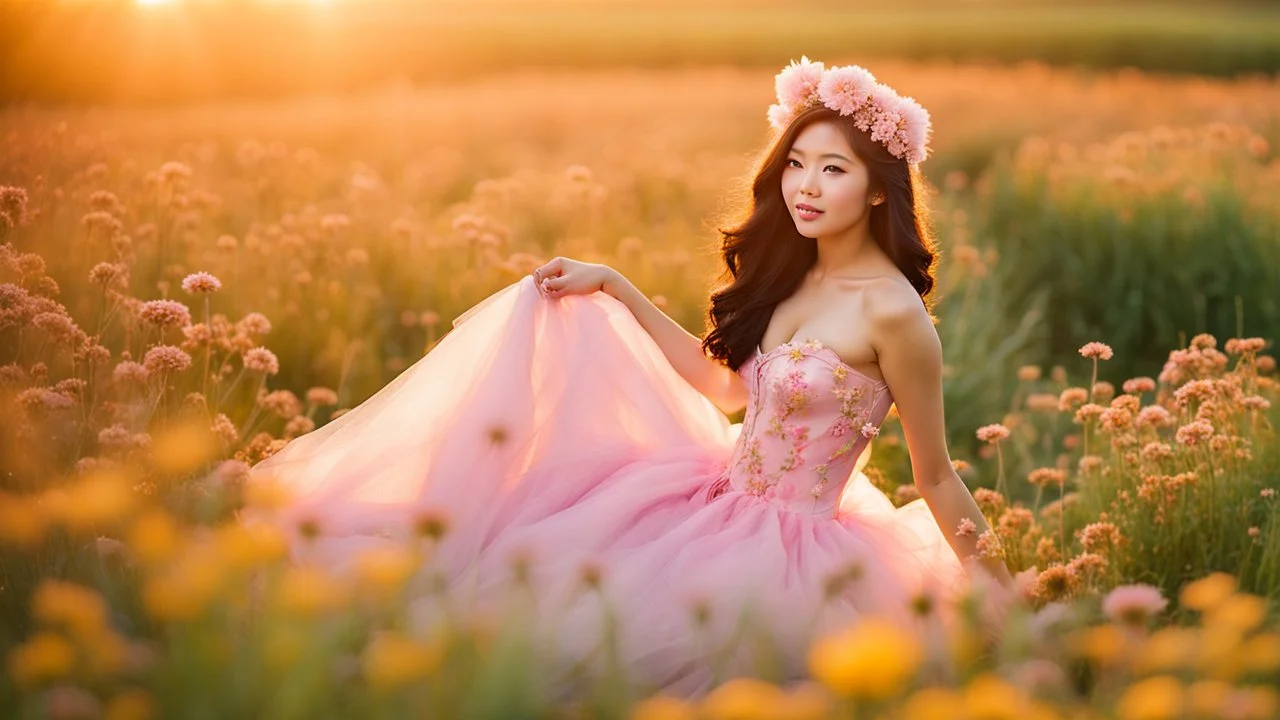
x=567, y=428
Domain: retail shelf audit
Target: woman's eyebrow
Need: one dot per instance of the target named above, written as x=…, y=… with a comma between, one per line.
x=798, y=151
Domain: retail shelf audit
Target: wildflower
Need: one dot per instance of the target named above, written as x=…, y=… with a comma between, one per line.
x=1155, y=416
x=254, y=323
x=1194, y=433
x=109, y=275
x=174, y=172
x=904, y=494
x=130, y=704
x=165, y=313
x=321, y=396
x=1154, y=698
x=298, y=425
x=166, y=358
x=966, y=528
x=1208, y=592
x=201, y=283
x=1029, y=373
x=1266, y=363
x=1053, y=583
x=989, y=547
x=261, y=360
x=1103, y=391
x=1089, y=463
x=993, y=433
x=874, y=659
x=1244, y=346
x=1043, y=477
x=870, y=431
x=1072, y=397
x=1255, y=402
x=1267, y=493
x=1097, y=351
x=13, y=203
x=1088, y=412
x=1156, y=451
x=1203, y=341
x=1139, y=385
x=45, y=656
x=990, y=502
x=334, y=222
x=281, y=402
x=1042, y=402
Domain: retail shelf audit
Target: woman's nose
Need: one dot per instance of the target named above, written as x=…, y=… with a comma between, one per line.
x=808, y=184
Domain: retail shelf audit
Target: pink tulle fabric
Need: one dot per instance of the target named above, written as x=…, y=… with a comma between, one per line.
x=555, y=434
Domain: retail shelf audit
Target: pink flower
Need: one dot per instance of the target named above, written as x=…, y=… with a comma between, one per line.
x=1138, y=385
x=870, y=431
x=1096, y=350
x=254, y=323
x=201, y=282
x=164, y=313
x=261, y=360
x=1133, y=604
x=993, y=433
x=1194, y=432
x=966, y=528
x=166, y=358
x=846, y=89
x=798, y=82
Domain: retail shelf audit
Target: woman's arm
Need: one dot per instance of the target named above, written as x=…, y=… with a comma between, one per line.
x=722, y=386
x=910, y=358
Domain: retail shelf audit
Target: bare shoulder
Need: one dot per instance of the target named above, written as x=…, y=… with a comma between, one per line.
x=893, y=307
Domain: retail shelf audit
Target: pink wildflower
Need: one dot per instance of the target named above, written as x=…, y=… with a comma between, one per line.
x=261, y=360
x=1133, y=605
x=1195, y=432
x=797, y=83
x=166, y=358
x=967, y=528
x=846, y=89
x=201, y=282
x=254, y=323
x=870, y=431
x=165, y=313
x=1096, y=350
x=1139, y=385
x=1244, y=346
x=993, y=433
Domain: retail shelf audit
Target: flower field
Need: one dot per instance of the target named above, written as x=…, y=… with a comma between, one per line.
x=184, y=290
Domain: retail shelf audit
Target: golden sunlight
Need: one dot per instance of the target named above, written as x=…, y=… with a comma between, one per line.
x=153, y=2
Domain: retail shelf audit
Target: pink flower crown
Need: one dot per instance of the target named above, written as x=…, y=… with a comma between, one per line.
x=897, y=122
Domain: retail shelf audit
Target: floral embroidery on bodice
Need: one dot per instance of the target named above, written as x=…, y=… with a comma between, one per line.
x=809, y=416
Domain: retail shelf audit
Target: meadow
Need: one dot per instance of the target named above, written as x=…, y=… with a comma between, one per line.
x=184, y=289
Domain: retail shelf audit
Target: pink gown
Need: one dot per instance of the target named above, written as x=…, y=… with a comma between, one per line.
x=554, y=432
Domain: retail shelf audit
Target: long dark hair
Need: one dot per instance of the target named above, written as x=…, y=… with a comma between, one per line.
x=766, y=258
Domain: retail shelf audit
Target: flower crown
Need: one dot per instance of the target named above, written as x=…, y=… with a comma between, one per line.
x=897, y=122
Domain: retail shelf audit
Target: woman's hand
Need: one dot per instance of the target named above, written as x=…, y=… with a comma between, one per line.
x=562, y=276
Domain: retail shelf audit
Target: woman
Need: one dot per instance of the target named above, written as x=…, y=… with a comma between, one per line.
x=570, y=429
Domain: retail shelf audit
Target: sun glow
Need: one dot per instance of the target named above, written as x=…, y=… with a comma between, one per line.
x=149, y=3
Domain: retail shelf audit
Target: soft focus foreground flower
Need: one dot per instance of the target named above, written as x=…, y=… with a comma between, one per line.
x=1207, y=592
x=1155, y=698
x=663, y=707
x=1133, y=605
x=43, y=657
x=873, y=659
x=391, y=660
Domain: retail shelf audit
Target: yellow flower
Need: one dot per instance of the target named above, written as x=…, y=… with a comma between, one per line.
x=22, y=521
x=932, y=703
x=1171, y=648
x=1156, y=698
x=988, y=697
x=392, y=660
x=246, y=546
x=742, y=698
x=873, y=659
x=101, y=498
x=267, y=494
x=383, y=571
x=183, y=448
x=1261, y=653
x=308, y=591
x=43, y=657
x=131, y=704
x=1240, y=611
x=1207, y=697
x=184, y=591
x=1208, y=591
x=662, y=707
x=79, y=609
x=1102, y=644
x=154, y=537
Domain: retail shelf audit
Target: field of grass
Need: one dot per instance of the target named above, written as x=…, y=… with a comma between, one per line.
x=346, y=232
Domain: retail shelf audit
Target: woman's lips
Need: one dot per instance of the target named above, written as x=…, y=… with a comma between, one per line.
x=805, y=212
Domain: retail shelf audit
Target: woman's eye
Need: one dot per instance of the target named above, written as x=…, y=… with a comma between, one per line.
x=793, y=163
x=837, y=169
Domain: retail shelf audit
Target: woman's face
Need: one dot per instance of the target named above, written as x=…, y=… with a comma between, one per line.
x=824, y=183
